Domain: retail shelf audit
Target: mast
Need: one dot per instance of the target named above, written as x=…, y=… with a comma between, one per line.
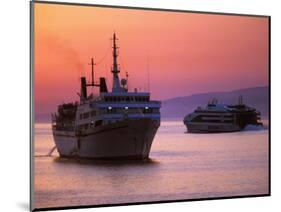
x=148, y=75
x=84, y=84
x=116, y=83
x=92, y=69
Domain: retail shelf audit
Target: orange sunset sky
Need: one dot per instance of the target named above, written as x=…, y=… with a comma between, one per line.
x=185, y=53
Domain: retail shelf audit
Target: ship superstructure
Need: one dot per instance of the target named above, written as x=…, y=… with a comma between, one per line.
x=217, y=117
x=114, y=124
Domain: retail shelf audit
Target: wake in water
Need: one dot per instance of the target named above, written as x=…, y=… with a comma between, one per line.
x=49, y=153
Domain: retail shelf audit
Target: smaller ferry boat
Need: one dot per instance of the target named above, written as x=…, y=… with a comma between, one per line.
x=217, y=117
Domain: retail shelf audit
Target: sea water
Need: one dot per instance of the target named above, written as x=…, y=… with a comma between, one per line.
x=182, y=166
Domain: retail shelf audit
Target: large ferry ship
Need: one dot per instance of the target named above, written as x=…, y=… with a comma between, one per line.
x=221, y=117
x=114, y=124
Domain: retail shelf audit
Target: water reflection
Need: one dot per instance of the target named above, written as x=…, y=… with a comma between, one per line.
x=181, y=166
x=107, y=162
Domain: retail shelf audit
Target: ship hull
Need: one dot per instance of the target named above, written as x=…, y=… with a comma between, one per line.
x=211, y=127
x=123, y=139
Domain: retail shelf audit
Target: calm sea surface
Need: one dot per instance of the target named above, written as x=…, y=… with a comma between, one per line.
x=182, y=166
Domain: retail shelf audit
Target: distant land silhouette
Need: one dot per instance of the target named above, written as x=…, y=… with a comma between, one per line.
x=177, y=108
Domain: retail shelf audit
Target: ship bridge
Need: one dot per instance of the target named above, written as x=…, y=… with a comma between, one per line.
x=125, y=97
x=133, y=105
x=117, y=104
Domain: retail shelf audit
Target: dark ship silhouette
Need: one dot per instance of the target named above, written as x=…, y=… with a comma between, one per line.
x=114, y=124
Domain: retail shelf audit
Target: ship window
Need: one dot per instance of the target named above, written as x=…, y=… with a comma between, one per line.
x=155, y=110
x=110, y=110
x=127, y=99
x=98, y=123
x=86, y=115
x=81, y=116
x=147, y=110
x=93, y=113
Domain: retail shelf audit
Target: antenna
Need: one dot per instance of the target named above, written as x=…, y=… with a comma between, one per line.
x=148, y=74
x=127, y=77
x=240, y=100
